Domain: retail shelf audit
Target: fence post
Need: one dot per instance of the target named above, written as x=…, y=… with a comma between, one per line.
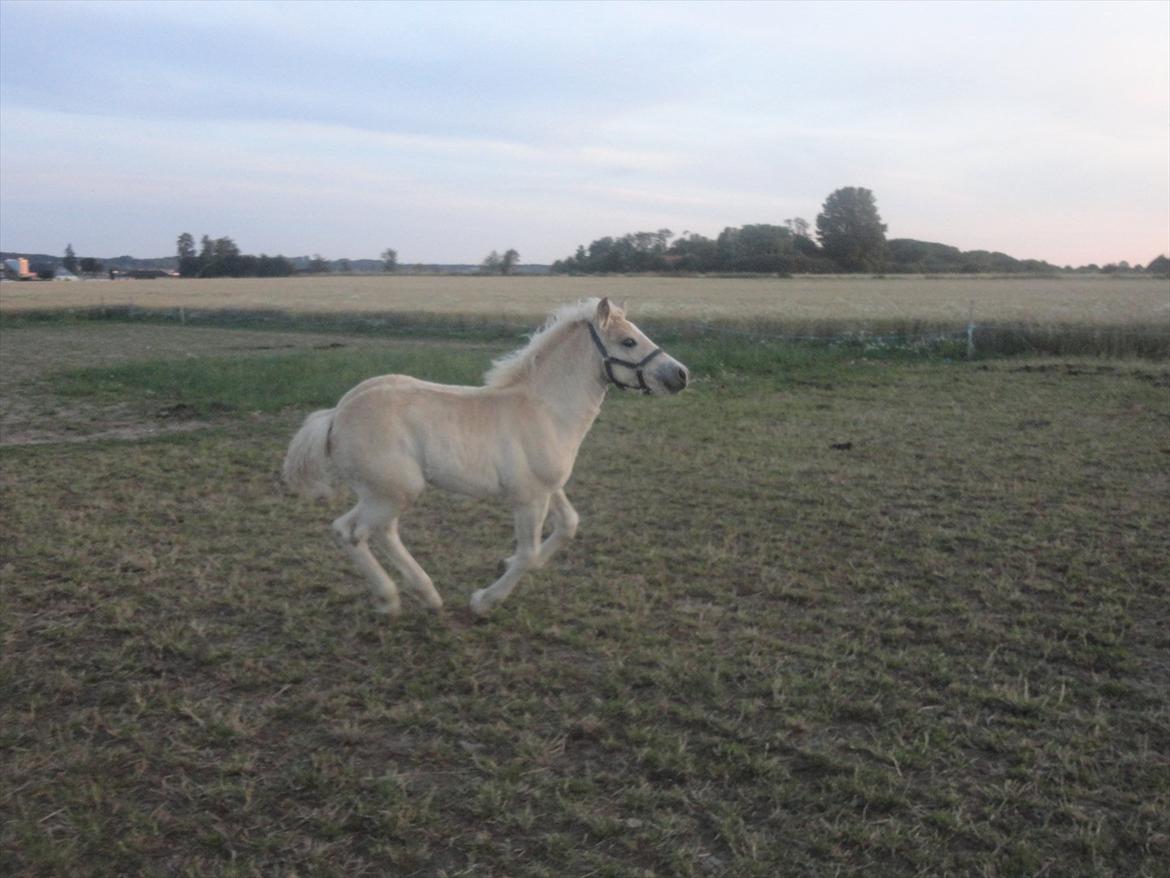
x=971, y=332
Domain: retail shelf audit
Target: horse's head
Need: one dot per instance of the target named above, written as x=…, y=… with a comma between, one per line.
x=629, y=359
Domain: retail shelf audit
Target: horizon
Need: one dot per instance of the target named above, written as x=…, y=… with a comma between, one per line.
x=441, y=263
x=448, y=131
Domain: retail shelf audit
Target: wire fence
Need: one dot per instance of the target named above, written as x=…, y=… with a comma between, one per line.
x=970, y=338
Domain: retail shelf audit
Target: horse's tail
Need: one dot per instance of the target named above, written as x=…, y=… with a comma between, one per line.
x=307, y=469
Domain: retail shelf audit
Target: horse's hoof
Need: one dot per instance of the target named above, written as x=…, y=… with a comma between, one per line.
x=390, y=611
x=479, y=604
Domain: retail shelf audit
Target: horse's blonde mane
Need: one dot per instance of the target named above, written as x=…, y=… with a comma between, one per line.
x=513, y=367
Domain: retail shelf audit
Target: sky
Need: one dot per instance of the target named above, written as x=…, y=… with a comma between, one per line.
x=447, y=130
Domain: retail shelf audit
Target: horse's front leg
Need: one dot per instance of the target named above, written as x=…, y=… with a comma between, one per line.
x=529, y=519
x=565, y=520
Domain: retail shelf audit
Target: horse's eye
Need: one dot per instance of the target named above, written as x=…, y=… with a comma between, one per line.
x=628, y=342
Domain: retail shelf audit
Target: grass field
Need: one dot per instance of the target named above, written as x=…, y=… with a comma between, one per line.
x=830, y=612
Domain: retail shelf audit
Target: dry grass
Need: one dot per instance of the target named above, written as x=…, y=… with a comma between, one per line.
x=806, y=300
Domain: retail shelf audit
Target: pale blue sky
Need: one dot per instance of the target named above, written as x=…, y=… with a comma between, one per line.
x=446, y=130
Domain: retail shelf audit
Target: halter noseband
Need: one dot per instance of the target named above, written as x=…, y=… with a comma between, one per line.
x=609, y=359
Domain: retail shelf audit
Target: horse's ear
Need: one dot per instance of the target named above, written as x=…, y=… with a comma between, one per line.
x=603, y=311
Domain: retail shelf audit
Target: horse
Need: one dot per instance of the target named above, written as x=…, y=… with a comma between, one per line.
x=515, y=438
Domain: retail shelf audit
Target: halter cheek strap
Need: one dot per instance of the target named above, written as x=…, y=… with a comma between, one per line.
x=609, y=360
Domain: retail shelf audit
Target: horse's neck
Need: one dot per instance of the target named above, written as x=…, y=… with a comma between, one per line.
x=568, y=381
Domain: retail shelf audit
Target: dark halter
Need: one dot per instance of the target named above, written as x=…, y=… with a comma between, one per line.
x=609, y=359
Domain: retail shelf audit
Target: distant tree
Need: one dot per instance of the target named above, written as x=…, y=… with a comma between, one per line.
x=509, y=261
x=491, y=263
x=1159, y=266
x=224, y=248
x=188, y=261
x=70, y=260
x=389, y=259
x=760, y=247
x=799, y=227
x=850, y=229
x=206, y=255
x=693, y=252
x=273, y=266
x=185, y=246
x=226, y=260
x=89, y=265
x=907, y=255
x=318, y=264
x=344, y=265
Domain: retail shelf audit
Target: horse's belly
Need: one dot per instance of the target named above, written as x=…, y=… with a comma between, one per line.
x=473, y=482
x=460, y=463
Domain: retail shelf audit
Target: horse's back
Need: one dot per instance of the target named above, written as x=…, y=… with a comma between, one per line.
x=403, y=384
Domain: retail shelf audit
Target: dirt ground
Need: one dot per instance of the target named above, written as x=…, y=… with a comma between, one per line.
x=32, y=412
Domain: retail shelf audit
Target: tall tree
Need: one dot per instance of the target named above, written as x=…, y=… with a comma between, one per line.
x=798, y=226
x=188, y=261
x=851, y=231
x=185, y=246
x=70, y=260
x=206, y=254
x=508, y=261
x=491, y=263
x=389, y=259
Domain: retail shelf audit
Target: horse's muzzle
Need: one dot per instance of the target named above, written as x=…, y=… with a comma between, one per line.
x=672, y=375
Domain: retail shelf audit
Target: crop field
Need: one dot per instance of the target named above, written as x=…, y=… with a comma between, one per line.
x=831, y=611
x=811, y=300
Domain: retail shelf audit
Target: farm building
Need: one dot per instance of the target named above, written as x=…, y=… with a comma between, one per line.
x=17, y=269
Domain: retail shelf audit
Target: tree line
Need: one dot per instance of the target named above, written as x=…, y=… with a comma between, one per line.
x=850, y=237
x=221, y=257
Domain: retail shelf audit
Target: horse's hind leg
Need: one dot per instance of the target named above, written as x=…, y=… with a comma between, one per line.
x=529, y=518
x=353, y=533
x=415, y=576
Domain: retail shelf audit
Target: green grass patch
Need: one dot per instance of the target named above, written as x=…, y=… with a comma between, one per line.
x=267, y=383
x=270, y=383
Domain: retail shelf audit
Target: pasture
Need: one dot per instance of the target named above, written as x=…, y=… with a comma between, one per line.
x=830, y=611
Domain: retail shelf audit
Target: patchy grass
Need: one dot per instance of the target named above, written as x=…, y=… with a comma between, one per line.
x=825, y=615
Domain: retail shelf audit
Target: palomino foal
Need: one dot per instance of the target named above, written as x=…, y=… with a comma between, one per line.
x=515, y=438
